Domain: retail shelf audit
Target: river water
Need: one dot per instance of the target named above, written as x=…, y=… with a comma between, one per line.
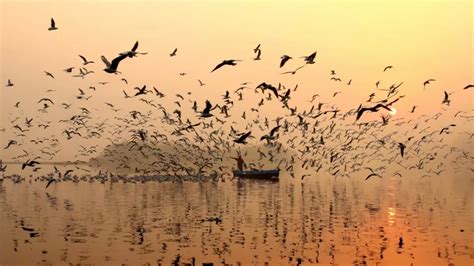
x=324, y=221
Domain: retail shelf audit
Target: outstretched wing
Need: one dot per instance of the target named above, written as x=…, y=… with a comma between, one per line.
x=106, y=62
x=117, y=60
x=219, y=66
x=274, y=130
x=83, y=58
x=135, y=46
x=53, y=24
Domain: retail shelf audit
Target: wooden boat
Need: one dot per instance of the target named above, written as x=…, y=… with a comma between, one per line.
x=272, y=175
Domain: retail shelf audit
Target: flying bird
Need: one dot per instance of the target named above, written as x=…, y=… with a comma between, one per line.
x=242, y=139
x=133, y=52
x=49, y=74
x=446, y=99
x=206, y=112
x=468, y=86
x=85, y=60
x=402, y=148
x=284, y=59
x=294, y=71
x=112, y=67
x=310, y=58
x=174, y=52
x=9, y=83
x=375, y=108
x=428, y=82
x=225, y=62
x=53, y=25
x=387, y=68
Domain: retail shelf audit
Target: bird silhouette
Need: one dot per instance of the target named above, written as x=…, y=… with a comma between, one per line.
x=284, y=59
x=112, y=67
x=231, y=62
x=52, y=25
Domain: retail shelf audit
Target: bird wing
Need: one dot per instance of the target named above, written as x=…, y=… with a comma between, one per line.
x=135, y=46
x=53, y=24
x=83, y=58
x=106, y=62
x=219, y=66
x=446, y=96
x=117, y=60
x=360, y=112
x=283, y=61
x=274, y=130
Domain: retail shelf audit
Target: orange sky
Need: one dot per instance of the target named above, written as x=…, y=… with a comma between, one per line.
x=357, y=39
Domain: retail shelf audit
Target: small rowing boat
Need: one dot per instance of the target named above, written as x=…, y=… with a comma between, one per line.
x=272, y=175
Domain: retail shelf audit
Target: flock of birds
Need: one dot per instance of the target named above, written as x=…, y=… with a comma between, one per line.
x=188, y=141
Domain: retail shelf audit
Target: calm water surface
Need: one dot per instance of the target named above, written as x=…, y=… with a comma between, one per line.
x=322, y=222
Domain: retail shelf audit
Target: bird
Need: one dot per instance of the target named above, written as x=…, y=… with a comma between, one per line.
x=259, y=53
x=53, y=25
x=372, y=109
x=11, y=142
x=371, y=175
x=68, y=70
x=427, y=82
x=49, y=74
x=29, y=163
x=271, y=135
x=294, y=71
x=468, y=86
x=387, y=67
x=50, y=182
x=242, y=139
x=112, y=67
x=9, y=83
x=133, y=52
x=206, y=112
x=446, y=99
x=85, y=60
x=174, y=52
x=310, y=58
x=231, y=62
x=284, y=59
x=402, y=148
x=201, y=83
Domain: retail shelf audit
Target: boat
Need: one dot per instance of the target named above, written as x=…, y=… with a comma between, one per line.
x=272, y=175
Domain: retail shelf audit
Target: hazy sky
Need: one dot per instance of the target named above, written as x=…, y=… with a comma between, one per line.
x=357, y=39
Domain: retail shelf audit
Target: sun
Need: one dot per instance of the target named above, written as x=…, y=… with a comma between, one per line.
x=393, y=111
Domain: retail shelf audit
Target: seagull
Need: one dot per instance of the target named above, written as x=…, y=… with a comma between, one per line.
x=446, y=99
x=294, y=71
x=49, y=74
x=427, y=82
x=53, y=25
x=242, y=139
x=230, y=62
x=271, y=135
x=69, y=69
x=206, y=112
x=49, y=182
x=112, y=67
x=201, y=83
x=372, y=109
x=29, y=163
x=310, y=58
x=259, y=53
x=133, y=52
x=9, y=83
x=371, y=175
x=284, y=59
x=85, y=60
x=174, y=52
x=387, y=67
x=468, y=86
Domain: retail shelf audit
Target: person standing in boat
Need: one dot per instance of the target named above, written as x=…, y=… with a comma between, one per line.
x=240, y=162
